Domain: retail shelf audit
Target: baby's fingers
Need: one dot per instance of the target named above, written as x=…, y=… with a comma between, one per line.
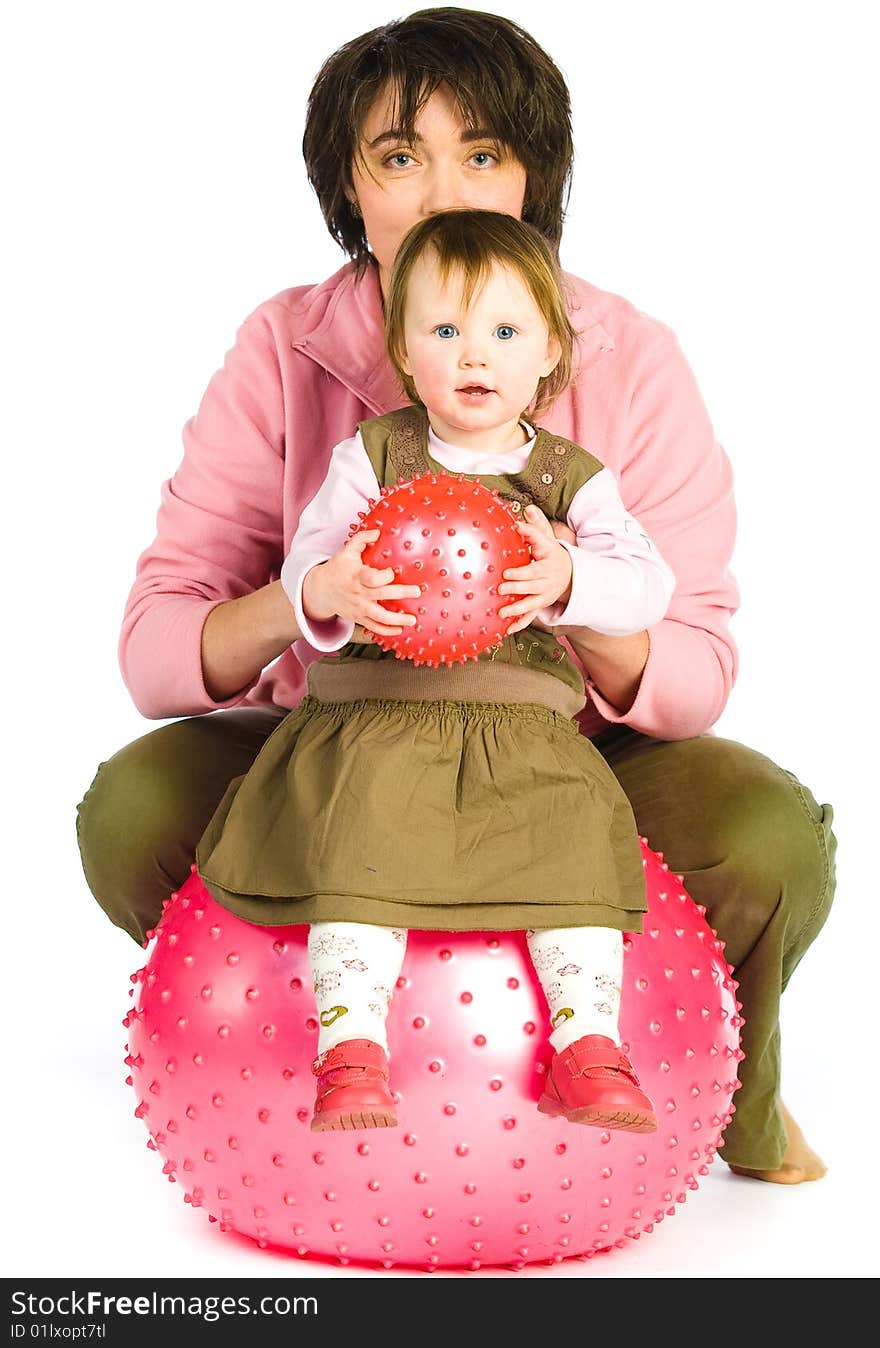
x=383, y=629
x=539, y=543
x=376, y=613
x=514, y=610
x=519, y=625
x=527, y=586
x=380, y=629
x=400, y=592
x=375, y=576
x=361, y=540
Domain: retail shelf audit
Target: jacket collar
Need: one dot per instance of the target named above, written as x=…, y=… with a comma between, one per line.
x=343, y=331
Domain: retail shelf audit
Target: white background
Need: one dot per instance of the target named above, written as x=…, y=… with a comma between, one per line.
x=155, y=194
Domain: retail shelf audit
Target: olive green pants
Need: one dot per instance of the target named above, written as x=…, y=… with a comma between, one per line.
x=750, y=841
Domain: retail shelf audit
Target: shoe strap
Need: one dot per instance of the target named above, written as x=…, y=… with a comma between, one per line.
x=579, y=1059
x=360, y=1055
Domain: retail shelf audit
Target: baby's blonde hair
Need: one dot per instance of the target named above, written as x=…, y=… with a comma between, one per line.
x=470, y=243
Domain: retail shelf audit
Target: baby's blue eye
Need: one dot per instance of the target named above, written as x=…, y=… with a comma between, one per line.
x=505, y=332
x=446, y=330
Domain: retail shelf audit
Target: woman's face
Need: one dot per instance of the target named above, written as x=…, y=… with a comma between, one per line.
x=447, y=168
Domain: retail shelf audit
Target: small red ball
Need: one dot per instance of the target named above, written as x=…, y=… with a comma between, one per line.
x=454, y=538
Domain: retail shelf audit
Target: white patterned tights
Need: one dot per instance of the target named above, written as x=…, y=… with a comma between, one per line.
x=355, y=967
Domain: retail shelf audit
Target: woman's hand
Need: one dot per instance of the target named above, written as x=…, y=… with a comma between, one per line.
x=546, y=578
x=344, y=587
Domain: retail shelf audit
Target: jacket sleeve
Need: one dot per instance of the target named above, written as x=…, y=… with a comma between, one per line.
x=677, y=480
x=219, y=532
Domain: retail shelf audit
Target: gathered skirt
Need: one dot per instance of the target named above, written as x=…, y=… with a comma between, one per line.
x=438, y=814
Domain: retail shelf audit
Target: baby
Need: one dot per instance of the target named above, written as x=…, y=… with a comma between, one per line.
x=462, y=797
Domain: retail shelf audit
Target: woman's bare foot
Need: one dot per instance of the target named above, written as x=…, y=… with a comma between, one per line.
x=800, y=1162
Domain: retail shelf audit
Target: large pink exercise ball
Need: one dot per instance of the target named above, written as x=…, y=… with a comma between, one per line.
x=222, y=1032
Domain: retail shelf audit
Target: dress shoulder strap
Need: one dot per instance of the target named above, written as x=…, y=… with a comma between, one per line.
x=555, y=461
x=396, y=444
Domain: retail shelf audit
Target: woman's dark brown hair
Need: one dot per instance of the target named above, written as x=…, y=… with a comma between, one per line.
x=500, y=79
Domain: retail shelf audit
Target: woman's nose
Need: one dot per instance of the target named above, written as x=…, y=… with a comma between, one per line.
x=442, y=190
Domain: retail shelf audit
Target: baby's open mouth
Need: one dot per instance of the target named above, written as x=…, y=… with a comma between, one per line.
x=475, y=390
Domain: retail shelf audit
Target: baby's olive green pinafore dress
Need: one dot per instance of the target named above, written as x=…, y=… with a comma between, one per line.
x=459, y=798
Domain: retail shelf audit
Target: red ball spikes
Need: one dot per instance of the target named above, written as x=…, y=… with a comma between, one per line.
x=453, y=538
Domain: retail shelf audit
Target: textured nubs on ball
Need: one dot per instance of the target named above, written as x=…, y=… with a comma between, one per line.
x=223, y=1029
x=454, y=538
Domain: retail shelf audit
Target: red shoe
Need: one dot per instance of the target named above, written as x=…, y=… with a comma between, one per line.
x=592, y=1081
x=353, y=1088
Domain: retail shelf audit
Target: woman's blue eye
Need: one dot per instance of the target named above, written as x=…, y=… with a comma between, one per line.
x=446, y=330
x=505, y=332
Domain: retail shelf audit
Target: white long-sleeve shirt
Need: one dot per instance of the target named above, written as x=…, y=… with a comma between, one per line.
x=620, y=584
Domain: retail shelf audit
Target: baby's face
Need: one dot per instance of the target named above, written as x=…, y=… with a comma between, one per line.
x=478, y=368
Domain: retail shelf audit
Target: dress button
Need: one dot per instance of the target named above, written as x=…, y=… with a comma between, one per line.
x=547, y=478
x=559, y=449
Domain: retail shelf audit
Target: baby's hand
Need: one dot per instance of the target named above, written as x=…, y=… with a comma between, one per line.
x=344, y=587
x=545, y=579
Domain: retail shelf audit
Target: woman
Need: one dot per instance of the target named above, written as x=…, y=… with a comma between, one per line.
x=453, y=108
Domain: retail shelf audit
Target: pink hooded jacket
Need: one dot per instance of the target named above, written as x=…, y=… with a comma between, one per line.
x=309, y=364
